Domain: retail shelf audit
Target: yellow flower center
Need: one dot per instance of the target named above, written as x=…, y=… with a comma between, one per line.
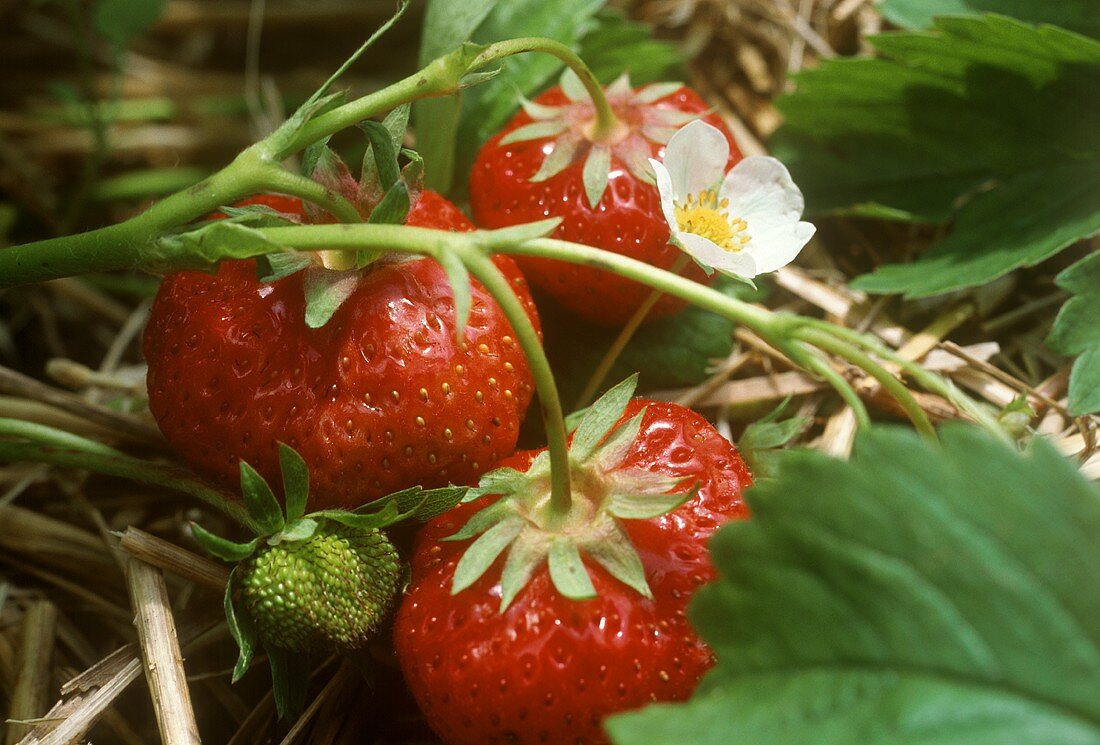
x=703, y=215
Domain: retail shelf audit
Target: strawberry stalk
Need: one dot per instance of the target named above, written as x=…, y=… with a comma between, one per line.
x=802, y=339
x=485, y=270
x=36, y=443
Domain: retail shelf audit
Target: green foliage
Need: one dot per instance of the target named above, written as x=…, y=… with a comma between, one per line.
x=761, y=441
x=1082, y=16
x=918, y=594
x=121, y=21
x=450, y=130
x=616, y=45
x=985, y=111
x=1077, y=331
x=668, y=353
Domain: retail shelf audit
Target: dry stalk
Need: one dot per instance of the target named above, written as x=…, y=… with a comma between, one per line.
x=161, y=652
x=171, y=558
x=124, y=425
x=31, y=696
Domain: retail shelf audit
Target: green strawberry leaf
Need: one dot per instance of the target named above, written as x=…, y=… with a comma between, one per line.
x=916, y=594
x=241, y=628
x=394, y=207
x=326, y=290
x=260, y=502
x=222, y=548
x=257, y=215
x=395, y=123
x=1075, y=15
x=1026, y=219
x=289, y=680
x=295, y=481
x=1076, y=332
x=280, y=140
x=615, y=552
x=482, y=521
x=600, y=417
x=927, y=127
x=388, y=515
x=615, y=45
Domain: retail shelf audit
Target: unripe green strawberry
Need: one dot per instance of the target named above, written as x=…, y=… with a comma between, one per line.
x=318, y=582
x=330, y=590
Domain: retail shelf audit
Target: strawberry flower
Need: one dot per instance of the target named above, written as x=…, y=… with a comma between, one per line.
x=742, y=223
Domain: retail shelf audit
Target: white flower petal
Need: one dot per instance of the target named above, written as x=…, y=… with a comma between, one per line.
x=621, y=88
x=668, y=200
x=779, y=246
x=711, y=254
x=762, y=194
x=696, y=158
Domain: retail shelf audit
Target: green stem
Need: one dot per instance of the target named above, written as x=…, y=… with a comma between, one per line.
x=887, y=379
x=926, y=379
x=809, y=360
x=482, y=267
x=42, y=434
x=286, y=182
x=607, y=123
x=599, y=375
x=124, y=466
x=130, y=244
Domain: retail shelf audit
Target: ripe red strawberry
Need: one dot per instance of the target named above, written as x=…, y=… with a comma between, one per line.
x=548, y=669
x=541, y=175
x=380, y=398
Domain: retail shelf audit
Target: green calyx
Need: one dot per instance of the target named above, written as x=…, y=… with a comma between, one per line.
x=322, y=581
x=524, y=525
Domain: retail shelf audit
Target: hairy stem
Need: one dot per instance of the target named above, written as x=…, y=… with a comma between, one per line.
x=606, y=122
x=885, y=378
x=124, y=466
x=482, y=267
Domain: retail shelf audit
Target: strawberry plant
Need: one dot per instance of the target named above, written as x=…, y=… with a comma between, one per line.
x=341, y=363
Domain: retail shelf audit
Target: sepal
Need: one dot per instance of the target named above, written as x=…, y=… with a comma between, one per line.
x=259, y=500
x=567, y=570
x=326, y=290
x=597, y=170
x=600, y=417
x=484, y=551
x=299, y=530
x=222, y=548
x=241, y=629
x=615, y=552
x=535, y=131
x=646, y=506
x=295, y=481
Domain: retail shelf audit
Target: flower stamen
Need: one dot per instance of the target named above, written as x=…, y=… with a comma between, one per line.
x=704, y=215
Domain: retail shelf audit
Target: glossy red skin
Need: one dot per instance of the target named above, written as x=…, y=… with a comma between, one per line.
x=233, y=370
x=628, y=220
x=549, y=669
